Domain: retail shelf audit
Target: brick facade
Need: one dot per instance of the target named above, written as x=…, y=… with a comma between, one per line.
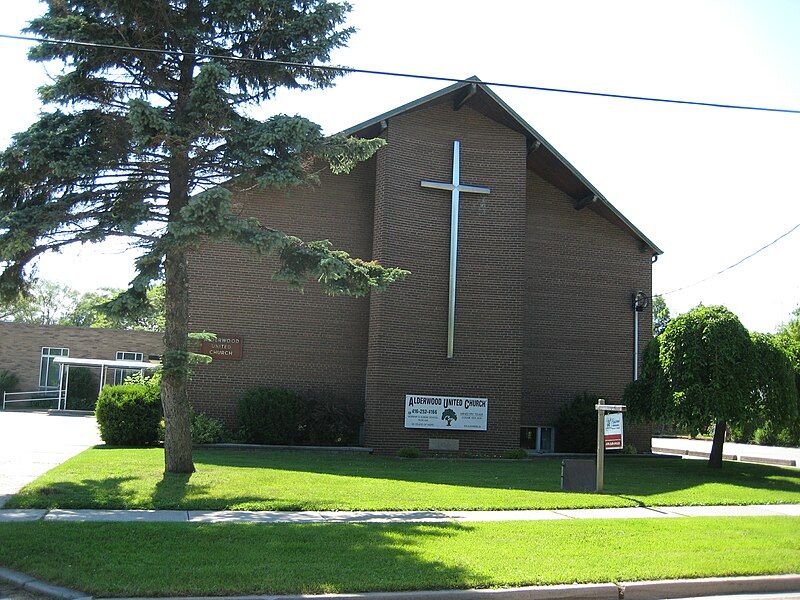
x=543, y=290
x=581, y=271
x=307, y=341
x=21, y=346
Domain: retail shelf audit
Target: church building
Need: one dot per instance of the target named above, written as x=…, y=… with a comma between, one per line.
x=520, y=295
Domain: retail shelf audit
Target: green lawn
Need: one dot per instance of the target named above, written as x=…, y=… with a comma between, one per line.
x=146, y=559
x=306, y=480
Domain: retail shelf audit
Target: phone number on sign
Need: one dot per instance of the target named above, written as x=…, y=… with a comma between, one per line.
x=424, y=411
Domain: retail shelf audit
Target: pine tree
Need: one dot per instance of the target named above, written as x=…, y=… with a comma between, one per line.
x=151, y=145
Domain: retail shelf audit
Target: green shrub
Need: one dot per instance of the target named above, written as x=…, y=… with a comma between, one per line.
x=8, y=382
x=82, y=391
x=628, y=449
x=409, y=453
x=205, y=429
x=333, y=421
x=271, y=415
x=576, y=427
x=742, y=433
x=129, y=414
x=515, y=454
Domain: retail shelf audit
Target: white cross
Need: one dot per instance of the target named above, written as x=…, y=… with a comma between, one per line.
x=454, y=188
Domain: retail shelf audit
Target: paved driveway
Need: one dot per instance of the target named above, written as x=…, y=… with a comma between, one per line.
x=744, y=452
x=34, y=442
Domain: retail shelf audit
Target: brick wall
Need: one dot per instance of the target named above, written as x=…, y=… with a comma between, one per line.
x=543, y=296
x=581, y=271
x=303, y=341
x=408, y=323
x=21, y=346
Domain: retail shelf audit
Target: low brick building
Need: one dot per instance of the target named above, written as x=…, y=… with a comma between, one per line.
x=540, y=308
x=28, y=350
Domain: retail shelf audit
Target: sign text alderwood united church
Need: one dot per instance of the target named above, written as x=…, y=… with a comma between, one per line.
x=446, y=412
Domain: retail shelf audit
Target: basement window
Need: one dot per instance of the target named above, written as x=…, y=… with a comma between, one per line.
x=537, y=438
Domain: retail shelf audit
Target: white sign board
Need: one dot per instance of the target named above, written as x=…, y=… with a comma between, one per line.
x=446, y=412
x=613, y=431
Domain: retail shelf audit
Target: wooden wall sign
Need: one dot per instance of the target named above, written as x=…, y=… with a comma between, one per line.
x=224, y=347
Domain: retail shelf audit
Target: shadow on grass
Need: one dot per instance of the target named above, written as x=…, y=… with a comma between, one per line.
x=624, y=476
x=263, y=479
x=120, y=559
x=88, y=493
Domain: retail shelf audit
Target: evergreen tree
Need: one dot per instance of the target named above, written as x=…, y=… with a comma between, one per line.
x=151, y=146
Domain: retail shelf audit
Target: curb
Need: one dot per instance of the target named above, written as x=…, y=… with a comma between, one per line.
x=31, y=584
x=635, y=590
x=687, y=588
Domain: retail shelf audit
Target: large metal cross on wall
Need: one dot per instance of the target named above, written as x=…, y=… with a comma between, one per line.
x=455, y=188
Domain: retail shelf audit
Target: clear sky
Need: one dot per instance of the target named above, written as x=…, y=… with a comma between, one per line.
x=709, y=186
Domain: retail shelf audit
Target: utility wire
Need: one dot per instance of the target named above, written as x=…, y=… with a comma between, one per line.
x=443, y=79
x=736, y=264
x=284, y=63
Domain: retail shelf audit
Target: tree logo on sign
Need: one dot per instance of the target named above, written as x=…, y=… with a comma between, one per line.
x=449, y=415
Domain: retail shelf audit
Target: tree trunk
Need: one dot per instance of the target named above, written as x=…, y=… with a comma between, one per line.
x=174, y=393
x=715, y=460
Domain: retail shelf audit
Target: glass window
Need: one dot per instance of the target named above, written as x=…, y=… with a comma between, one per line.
x=49, y=372
x=539, y=439
x=120, y=375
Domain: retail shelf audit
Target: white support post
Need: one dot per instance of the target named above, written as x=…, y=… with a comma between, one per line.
x=66, y=387
x=601, y=446
x=61, y=387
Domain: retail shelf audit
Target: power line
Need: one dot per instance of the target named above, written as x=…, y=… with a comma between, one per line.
x=736, y=264
x=341, y=69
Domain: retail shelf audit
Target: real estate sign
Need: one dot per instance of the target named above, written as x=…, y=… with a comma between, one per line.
x=613, y=431
x=446, y=412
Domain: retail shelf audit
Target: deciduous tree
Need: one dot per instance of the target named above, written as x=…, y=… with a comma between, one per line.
x=661, y=315
x=150, y=146
x=706, y=369
x=44, y=303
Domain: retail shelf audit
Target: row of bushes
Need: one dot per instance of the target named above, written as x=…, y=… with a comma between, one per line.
x=272, y=415
x=130, y=415
x=767, y=435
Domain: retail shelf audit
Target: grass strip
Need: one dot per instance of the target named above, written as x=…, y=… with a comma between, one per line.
x=303, y=480
x=145, y=559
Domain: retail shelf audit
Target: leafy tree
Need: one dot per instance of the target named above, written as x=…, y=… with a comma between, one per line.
x=151, y=146
x=45, y=303
x=449, y=415
x=661, y=315
x=89, y=311
x=706, y=369
x=791, y=328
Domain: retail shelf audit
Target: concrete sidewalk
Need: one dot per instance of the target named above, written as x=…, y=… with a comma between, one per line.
x=445, y=516
x=32, y=443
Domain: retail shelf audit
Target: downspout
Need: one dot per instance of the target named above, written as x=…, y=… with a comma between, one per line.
x=639, y=303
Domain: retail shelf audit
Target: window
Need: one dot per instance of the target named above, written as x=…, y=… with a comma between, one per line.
x=120, y=375
x=538, y=439
x=49, y=372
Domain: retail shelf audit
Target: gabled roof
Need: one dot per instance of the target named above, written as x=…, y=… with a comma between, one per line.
x=543, y=158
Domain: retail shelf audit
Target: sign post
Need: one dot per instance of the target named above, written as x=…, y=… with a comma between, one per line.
x=609, y=434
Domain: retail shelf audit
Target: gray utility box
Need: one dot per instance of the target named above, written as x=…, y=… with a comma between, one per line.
x=578, y=475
